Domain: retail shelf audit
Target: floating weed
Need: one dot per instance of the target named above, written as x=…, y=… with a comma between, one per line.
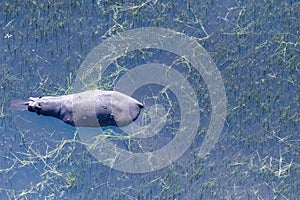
x=71, y=181
x=256, y=47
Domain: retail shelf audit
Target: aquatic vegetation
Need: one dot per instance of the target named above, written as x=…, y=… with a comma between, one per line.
x=255, y=45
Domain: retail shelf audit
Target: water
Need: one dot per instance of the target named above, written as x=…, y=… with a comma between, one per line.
x=255, y=46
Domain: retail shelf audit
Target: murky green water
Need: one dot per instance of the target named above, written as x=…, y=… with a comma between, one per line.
x=255, y=46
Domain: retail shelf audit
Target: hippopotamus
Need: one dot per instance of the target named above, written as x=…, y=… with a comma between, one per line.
x=94, y=108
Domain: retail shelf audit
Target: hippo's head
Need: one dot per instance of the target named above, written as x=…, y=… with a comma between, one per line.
x=34, y=105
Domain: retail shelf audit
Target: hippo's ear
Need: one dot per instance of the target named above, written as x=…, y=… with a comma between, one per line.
x=38, y=108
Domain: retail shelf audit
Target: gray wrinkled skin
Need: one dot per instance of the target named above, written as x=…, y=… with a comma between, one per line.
x=95, y=108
